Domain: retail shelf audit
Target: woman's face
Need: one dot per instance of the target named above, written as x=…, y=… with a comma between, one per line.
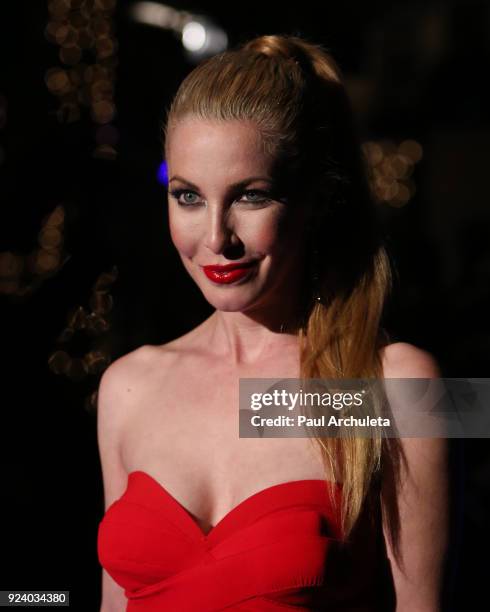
x=226, y=209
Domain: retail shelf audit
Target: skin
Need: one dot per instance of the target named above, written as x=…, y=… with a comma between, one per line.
x=156, y=392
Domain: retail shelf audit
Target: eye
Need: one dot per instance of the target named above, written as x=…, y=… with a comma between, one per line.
x=185, y=197
x=256, y=196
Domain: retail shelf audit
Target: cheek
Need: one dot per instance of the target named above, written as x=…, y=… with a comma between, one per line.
x=270, y=234
x=263, y=237
x=182, y=235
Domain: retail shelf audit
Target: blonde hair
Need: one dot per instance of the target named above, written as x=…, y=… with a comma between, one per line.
x=293, y=91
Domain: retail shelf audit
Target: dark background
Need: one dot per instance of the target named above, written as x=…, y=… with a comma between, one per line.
x=415, y=70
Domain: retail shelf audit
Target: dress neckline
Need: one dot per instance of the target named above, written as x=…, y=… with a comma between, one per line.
x=318, y=484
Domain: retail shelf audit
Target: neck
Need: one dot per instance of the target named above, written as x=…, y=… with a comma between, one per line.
x=247, y=337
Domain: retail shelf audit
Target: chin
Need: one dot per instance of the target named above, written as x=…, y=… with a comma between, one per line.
x=232, y=299
x=228, y=304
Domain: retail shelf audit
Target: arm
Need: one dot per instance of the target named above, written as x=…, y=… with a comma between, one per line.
x=422, y=500
x=112, y=409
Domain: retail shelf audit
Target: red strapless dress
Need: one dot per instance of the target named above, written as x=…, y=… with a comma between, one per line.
x=271, y=553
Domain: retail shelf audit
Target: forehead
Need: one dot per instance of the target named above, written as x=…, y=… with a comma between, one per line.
x=204, y=148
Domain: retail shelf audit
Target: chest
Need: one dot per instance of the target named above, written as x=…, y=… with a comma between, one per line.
x=184, y=433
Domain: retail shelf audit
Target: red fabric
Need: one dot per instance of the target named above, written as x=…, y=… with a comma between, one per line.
x=269, y=554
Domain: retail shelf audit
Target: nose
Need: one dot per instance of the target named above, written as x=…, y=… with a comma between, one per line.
x=219, y=230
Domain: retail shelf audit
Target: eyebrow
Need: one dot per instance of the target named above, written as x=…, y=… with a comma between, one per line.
x=238, y=185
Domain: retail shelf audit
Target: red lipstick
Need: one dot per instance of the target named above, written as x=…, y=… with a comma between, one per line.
x=228, y=273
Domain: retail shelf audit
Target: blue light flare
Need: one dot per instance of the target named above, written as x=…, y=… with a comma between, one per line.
x=162, y=174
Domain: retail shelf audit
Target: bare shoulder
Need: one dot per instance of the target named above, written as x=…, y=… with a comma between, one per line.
x=128, y=382
x=117, y=387
x=404, y=360
x=122, y=372
x=125, y=383
x=129, y=375
x=122, y=391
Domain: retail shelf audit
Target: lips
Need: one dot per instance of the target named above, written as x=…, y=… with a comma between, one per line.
x=229, y=273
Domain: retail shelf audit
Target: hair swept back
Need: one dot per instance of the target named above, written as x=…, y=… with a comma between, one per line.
x=293, y=91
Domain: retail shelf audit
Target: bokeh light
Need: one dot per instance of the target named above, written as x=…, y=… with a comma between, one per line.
x=84, y=32
x=194, y=36
x=22, y=274
x=93, y=323
x=390, y=169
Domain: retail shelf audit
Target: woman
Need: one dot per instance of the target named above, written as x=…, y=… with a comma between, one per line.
x=271, y=215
